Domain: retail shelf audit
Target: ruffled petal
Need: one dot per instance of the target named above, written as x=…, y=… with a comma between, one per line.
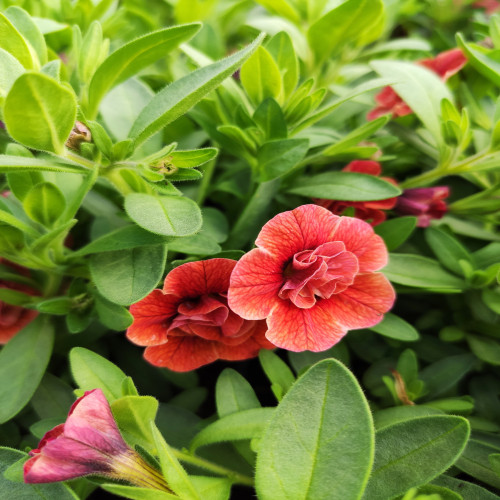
x=359, y=238
x=295, y=329
x=199, y=278
x=364, y=303
x=249, y=348
x=254, y=286
x=304, y=228
x=150, y=316
x=24, y=317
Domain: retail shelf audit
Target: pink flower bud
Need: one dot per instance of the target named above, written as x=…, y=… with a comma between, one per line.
x=425, y=203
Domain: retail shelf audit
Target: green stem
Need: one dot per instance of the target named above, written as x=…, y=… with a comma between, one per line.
x=79, y=159
x=208, y=173
x=425, y=178
x=77, y=200
x=216, y=469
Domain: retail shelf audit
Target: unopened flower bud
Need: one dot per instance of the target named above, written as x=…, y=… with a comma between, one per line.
x=79, y=134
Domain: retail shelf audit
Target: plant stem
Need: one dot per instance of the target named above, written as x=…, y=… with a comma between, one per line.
x=208, y=172
x=217, y=469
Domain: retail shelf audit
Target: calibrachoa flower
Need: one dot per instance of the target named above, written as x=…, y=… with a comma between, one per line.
x=445, y=65
x=313, y=277
x=490, y=6
x=89, y=442
x=425, y=203
x=14, y=318
x=189, y=324
x=370, y=211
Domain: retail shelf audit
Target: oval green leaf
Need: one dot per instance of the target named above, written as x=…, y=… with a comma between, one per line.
x=165, y=215
x=319, y=441
x=394, y=327
x=39, y=112
x=414, y=452
x=44, y=203
x=22, y=365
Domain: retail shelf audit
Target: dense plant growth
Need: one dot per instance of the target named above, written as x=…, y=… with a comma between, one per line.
x=257, y=241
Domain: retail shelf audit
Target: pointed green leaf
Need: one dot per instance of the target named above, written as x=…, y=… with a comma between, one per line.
x=44, y=203
x=14, y=43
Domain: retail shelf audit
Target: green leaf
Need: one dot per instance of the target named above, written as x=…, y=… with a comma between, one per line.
x=447, y=249
x=192, y=158
x=276, y=158
x=44, y=203
x=233, y=393
x=413, y=452
x=278, y=373
x=14, y=43
x=133, y=415
x=271, y=119
x=53, y=398
x=246, y=424
x=198, y=244
x=348, y=186
x=39, y=112
x=394, y=327
x=396, y=231
x=281, y=48
x=26, y=26
x=418, y=271
x=129, y=59
x=10, y=70
x=420, y=88
x=260, y=76
x=322, y=422
x=212, y=488
x=91, y=52
x=136, y=493
x=10, y=163
x=475, y=462
x=59, y=306
x=468, y=490
x=349, y=22
x=124, y=238
x=175, y=475
x=281, y=8
x=485, y=348
x=165, y=215
x=391, y=416
x=91, y=371
x=22, y=491
x=487, y=66
x=181, y=95
x=22, y=364
x=112, y=315
x=126, y=276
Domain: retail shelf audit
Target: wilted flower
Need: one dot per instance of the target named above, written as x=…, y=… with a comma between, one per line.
x=89, y=442
x=425, y=203
x=14, y=318
x=312, y=277
x=79, y=134
x=445, y=65
x=370, y=211
x=189, y=324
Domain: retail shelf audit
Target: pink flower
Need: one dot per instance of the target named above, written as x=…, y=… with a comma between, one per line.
x=188, y=324
x=490, y=6
x=370, y=211
x=425, y=203
x=89, y=442
x=445, y=65
x=14, y=318
x=312, y=277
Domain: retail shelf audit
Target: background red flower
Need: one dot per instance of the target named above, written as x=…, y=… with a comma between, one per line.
x=189, y=324
x=312, y=276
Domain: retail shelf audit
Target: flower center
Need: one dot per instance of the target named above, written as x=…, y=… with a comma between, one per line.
x=319, y=273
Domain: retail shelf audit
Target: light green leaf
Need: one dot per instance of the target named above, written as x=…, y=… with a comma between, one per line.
x=260, y=76
x=278, y=373
x=233, y=393
x=281, y=48
x=129, y=59
x=39, y=112
x=165, y=215
x=277, y=158
x=413, y=452
x=246, y=424
x=22, y=364
x=469, y=491
x=181, y=95
x=271, y=119
x=322, y=422
x=394, y=327
x=422, y=272
x=349, y=186
x=44, y=203
x=447, y=249
x=10, y=163
x=192, y=158
x=91, y=371
x=10, y=70
x=281, y=8
x=14, y=43
x=126, y=276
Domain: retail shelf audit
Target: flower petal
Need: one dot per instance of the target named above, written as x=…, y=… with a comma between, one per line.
x=199, y=278
x=359, y=238
x=304, y=228
x=150, y=315
x=364, y=303
x=254, y=286
x=295, y=329
x=249, y=348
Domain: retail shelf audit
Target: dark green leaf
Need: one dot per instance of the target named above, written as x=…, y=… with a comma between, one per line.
x=394, y=327
x=276, y=158
x=396, y=231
